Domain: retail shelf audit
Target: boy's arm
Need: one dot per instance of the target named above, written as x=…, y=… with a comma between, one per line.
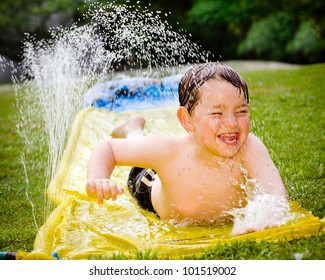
x=260, y=166
x=100, y=167
x=148, y=151
x=101, y=162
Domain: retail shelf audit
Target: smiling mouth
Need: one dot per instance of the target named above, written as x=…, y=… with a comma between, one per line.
x=229, y=138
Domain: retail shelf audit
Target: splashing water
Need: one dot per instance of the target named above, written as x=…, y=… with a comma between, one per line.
x=56, y=73
x=262, y=210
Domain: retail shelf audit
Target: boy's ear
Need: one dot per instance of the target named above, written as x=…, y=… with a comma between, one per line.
x=185, y=118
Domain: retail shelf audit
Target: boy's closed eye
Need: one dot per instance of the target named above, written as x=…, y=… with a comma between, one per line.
x=216, y=113
x=243, y=111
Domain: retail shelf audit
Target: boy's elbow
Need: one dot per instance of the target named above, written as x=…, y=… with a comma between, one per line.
x=102, y=152
x=102, y=147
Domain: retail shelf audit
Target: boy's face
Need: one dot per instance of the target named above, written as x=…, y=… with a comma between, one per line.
x=221, y=118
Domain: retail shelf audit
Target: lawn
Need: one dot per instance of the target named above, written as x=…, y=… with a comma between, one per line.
x=287, y=113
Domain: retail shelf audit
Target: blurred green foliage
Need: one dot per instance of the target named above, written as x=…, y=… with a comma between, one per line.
x=34, y=17
x=267, y=38
x=282, y=30
x=306, y=44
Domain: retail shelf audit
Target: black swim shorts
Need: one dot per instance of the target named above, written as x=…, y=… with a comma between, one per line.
x=140, y=184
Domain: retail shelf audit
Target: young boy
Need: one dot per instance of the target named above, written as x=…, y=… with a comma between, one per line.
x=198, y=176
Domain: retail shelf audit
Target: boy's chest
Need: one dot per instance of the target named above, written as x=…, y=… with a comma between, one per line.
x=228, y=173
x=209, y=185
x=211, y=181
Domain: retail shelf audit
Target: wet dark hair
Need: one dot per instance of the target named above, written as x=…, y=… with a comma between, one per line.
x=195, y=77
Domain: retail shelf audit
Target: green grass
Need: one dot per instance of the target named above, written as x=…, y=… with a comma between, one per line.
x=287, y=113
x=16, y=220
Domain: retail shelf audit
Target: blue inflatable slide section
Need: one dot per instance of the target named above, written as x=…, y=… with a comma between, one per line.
x=134, y=93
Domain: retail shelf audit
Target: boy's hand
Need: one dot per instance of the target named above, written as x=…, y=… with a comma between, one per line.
x=103, y=189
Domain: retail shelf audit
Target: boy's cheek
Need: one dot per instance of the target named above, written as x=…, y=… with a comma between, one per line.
x=215, y=122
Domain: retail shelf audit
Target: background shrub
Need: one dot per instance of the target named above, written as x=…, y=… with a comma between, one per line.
x=267, y=38
x=306, y=44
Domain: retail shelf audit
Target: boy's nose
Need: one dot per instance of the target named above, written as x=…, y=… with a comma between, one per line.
x=230, y=121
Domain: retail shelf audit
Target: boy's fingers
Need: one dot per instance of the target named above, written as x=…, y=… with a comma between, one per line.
x=106, y=190
x=113, y=190
x=100, y=192
x=91, y=188
x=103, y=189
x=120, y=190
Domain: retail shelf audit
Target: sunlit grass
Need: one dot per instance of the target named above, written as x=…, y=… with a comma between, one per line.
x=16, y=221
x=287, y=113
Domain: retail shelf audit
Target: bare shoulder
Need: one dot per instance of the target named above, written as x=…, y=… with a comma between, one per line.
x=253, y=139
x=260, y=166
x=254, y=145
x=254, y=151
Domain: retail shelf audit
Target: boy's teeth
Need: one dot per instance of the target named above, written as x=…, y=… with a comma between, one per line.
x=229, y=138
